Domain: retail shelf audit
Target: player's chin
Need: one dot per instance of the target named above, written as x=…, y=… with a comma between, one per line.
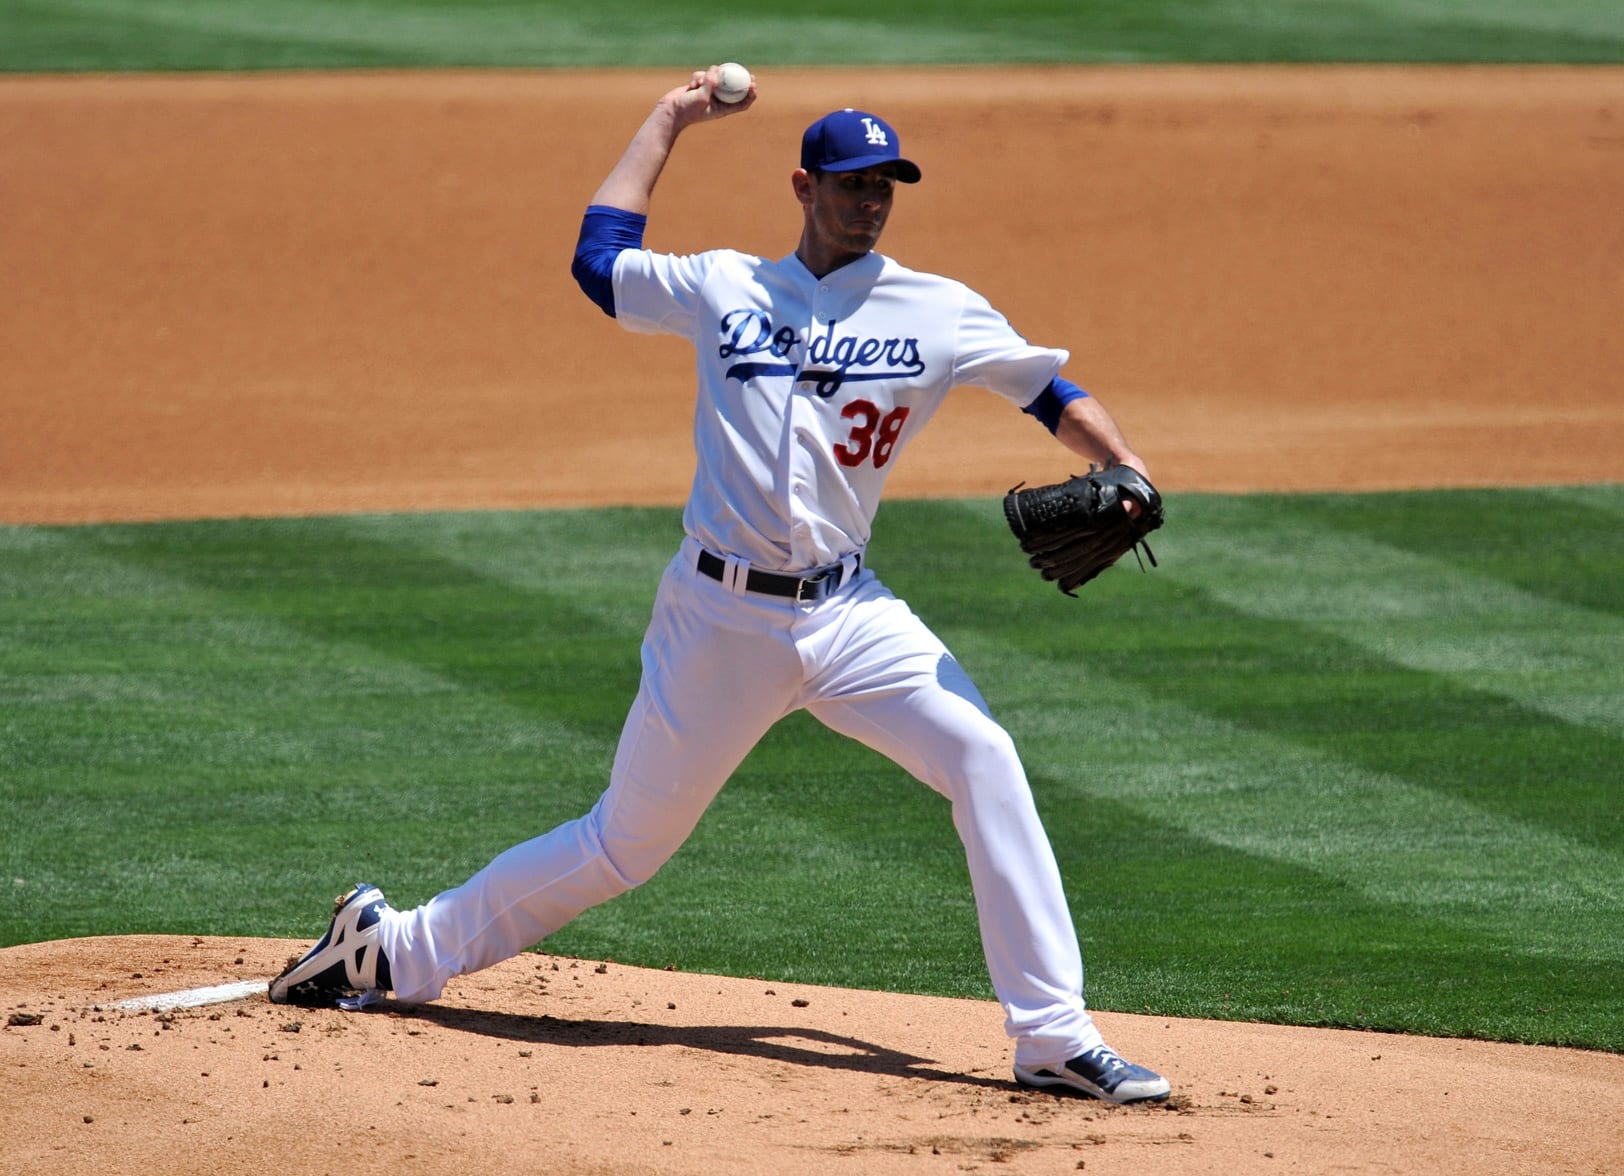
x=864, y=234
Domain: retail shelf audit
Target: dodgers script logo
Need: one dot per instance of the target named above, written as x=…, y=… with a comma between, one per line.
x=830, y=360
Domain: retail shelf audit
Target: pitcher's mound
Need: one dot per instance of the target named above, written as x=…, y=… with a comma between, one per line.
x=565, y=1065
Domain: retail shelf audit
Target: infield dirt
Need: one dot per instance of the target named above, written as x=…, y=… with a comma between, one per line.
x=304, y=294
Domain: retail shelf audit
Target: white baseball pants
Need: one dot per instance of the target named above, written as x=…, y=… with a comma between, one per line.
x=719, y=668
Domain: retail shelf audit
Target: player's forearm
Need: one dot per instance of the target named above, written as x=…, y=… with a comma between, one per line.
x=630, y=184
x=1089, y=431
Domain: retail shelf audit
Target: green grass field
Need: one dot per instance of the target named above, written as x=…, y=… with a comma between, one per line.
x=287, y=34
x=1340, y=761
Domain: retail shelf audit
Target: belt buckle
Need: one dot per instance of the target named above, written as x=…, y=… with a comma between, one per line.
x=816, y=584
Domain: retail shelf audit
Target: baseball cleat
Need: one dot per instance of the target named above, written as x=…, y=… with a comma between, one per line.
x=347, y=967
x=1100, y=1073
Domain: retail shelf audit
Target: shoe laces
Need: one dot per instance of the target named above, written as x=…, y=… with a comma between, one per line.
x=1105, y=1058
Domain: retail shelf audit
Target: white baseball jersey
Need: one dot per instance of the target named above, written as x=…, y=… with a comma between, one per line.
x=809, y=388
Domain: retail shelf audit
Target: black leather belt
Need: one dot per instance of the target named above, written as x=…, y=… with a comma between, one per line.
x=821, y=583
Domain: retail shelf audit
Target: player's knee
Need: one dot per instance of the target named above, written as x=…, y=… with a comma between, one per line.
x=634, y=866
x=984, y=754
x=632, y=859
x=987, y=739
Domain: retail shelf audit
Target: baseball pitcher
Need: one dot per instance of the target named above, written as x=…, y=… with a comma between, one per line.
x=815, y=372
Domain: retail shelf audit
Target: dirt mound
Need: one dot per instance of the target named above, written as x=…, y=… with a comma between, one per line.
x=562, y=1065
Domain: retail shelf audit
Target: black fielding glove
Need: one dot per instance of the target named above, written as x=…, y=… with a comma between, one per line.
x=1074, y=530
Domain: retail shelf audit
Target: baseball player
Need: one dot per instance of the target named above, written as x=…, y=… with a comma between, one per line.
x=815, y=371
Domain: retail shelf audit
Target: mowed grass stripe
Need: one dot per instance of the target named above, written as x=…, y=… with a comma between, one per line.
x=1176, y=634
x=256, y=34
x=1394, y=842
x=383, y=584
x=1399, y=842
x=1175, y=923
x=1561, y=543
x=1463, y=606
x=186, y=614
x=242, y=35
x=274, y=703
x=1603, y=498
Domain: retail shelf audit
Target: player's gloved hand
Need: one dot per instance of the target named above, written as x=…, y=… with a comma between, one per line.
x=1073, y=530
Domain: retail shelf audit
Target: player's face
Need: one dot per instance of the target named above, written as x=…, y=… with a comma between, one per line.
x=846, y=211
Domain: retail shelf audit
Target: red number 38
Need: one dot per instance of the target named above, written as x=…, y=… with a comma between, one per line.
x=872, y=434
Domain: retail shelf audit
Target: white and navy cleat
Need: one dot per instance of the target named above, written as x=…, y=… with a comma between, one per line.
x=1100, y=1073
x=347, y=967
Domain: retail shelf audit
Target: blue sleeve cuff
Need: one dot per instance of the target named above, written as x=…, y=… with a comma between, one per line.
x=605, y=231
x=1059, y=393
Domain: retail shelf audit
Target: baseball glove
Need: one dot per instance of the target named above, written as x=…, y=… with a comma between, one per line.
x=1076, y=529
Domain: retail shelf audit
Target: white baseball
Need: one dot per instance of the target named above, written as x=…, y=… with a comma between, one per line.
x=732, y=82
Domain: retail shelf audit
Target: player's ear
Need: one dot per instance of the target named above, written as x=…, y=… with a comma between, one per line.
x=803, y=183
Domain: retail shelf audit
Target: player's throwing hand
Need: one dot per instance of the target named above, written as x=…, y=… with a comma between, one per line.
x=701, y=99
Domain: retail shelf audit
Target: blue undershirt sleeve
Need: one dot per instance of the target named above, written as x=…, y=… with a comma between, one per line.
x=1059, y=393
x=605, y=231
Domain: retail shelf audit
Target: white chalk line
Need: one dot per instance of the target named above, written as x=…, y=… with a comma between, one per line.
x=191, y=998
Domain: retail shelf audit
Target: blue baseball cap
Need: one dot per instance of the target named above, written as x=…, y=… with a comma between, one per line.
x=850, y=140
